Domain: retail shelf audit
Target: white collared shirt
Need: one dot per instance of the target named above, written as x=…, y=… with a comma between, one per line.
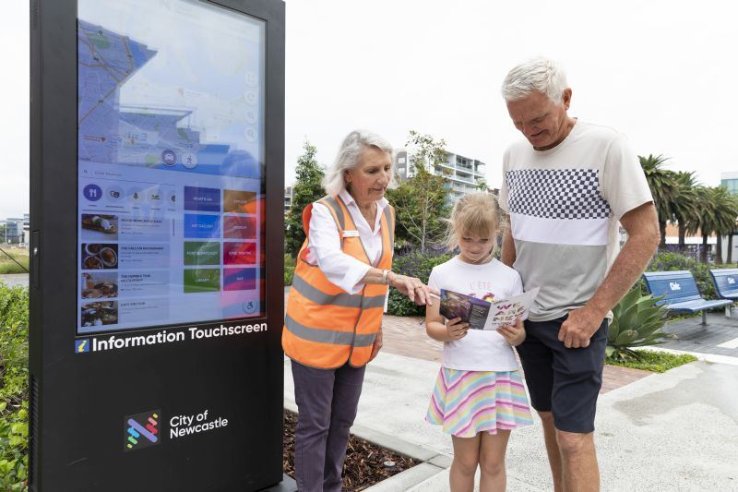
x=341, y=269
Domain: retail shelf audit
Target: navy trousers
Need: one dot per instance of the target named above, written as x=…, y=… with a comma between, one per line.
x=327, y=400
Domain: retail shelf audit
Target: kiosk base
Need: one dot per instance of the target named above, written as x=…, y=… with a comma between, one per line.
x=287, y=484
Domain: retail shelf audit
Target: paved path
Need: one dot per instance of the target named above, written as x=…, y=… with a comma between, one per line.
x=406, y=336
x=665, y=432
x=718, y=338
x=654, y=432
x=13, y=279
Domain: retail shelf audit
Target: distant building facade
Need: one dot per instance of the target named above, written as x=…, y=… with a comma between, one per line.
x=14, y=233
x=730, y=181
x=463, y=175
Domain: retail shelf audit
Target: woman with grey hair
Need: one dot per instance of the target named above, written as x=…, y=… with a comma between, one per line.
x=333, y=324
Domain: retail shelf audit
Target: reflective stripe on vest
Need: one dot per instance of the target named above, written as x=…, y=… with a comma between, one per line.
x=326, y=336
x=344, y=299
x=325, y=326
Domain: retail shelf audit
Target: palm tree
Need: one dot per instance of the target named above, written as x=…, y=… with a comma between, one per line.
x=726, y=211
x=730, y=241
x=685, y=207
x=718, y=211
x=707, y=221
x=664, y=189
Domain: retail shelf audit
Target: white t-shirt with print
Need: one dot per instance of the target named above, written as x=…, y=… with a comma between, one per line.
x=479, y=350
x=564, y=205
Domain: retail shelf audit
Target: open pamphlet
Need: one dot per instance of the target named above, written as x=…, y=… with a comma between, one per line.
x=483, y=315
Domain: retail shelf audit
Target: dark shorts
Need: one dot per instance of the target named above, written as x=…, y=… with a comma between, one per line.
x=563, y=381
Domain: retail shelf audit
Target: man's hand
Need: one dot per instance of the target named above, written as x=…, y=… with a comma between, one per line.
x=642, y=227
x=377, y=346
x=579, y=327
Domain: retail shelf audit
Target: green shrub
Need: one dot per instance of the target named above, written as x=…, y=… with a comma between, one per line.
x=414, y=265
x=289, y=269
x=666, y=261
x=13, y=388
x=637, y=322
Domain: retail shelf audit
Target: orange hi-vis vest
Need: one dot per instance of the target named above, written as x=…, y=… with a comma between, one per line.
x=325, y=326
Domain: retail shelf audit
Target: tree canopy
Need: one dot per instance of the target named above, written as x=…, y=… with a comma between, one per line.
x=421, y=201
x=307, y=189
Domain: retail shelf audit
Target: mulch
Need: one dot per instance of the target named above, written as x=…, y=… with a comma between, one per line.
x=366, y=463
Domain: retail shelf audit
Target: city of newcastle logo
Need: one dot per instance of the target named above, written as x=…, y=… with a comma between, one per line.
x=141, y=430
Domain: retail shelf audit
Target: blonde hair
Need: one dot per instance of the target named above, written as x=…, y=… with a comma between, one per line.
x=473, y=215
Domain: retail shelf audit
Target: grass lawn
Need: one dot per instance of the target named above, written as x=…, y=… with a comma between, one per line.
x=653, y=361
x=9, y=266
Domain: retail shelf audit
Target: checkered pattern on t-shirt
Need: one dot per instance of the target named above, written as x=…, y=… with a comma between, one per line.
x=556, y=194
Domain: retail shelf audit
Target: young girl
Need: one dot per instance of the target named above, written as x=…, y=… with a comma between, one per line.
x=479, y=395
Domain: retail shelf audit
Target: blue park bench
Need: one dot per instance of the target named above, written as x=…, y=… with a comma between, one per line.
x=679, y=293
x=726, y=285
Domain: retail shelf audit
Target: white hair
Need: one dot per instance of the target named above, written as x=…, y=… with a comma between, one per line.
x=349, y=156
x=535, y=75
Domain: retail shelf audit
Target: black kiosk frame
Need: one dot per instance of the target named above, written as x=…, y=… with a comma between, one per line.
x=158, y=407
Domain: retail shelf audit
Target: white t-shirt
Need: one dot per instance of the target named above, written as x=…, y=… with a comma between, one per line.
x=564, y=206
x=479, y=350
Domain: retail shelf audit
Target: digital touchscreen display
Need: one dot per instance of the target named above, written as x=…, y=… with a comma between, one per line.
x=170, y=164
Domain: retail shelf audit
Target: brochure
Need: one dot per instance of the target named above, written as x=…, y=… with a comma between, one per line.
x=470, y=309
x=483, y=315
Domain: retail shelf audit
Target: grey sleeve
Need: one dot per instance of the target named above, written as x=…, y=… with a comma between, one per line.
x=624, y=184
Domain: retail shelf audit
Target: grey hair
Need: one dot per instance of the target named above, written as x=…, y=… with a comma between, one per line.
x=535, y=75
x=349, y=156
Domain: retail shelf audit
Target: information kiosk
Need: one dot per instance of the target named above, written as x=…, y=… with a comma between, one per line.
x=157, y=155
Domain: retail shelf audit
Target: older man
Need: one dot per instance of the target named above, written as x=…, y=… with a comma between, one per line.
x=566, y=188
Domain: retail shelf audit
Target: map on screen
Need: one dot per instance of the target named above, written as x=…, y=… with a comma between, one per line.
x=170, y=164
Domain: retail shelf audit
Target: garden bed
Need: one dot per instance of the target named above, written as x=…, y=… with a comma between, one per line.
x=366, y=463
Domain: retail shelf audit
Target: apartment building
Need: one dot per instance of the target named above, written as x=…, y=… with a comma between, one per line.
x=463, y=175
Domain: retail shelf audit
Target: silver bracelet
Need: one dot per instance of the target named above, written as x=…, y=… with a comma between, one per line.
x=385, y=277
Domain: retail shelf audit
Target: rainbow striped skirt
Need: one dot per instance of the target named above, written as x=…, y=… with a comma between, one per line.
x=468, y=402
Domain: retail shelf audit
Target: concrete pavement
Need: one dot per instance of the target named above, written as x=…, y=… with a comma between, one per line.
x=676, y=431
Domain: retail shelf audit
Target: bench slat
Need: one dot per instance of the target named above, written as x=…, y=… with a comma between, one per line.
x=699, y=305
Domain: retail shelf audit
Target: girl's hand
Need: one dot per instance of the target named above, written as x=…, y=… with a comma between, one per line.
x=513, y=334
x=456, y=329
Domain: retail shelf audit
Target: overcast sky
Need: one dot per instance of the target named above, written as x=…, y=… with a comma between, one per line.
x=662, y=72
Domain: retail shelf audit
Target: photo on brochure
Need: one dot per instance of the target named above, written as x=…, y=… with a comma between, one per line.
x=470, y=309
